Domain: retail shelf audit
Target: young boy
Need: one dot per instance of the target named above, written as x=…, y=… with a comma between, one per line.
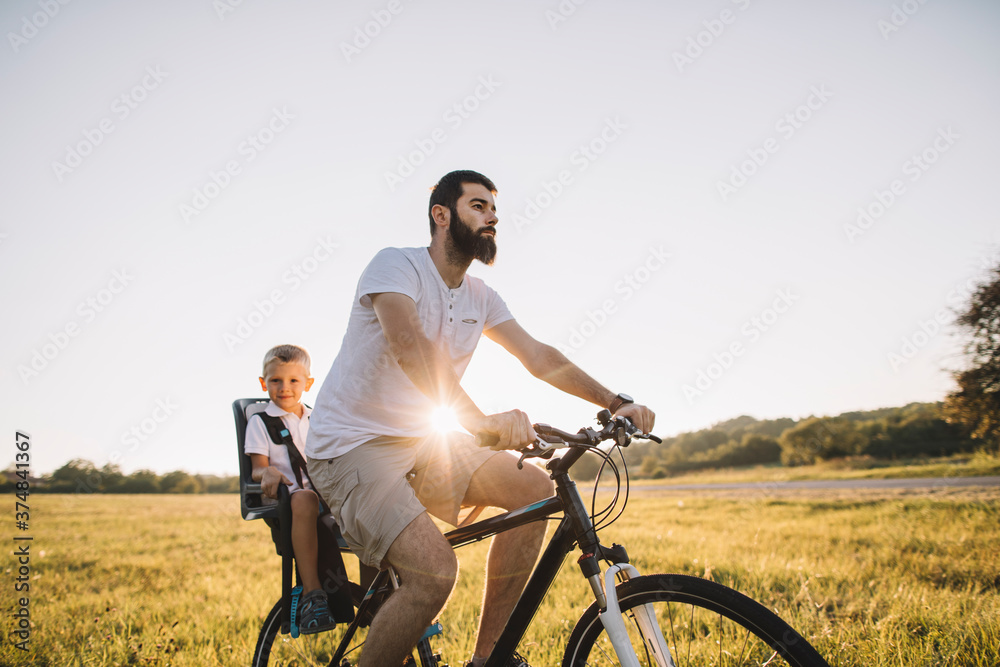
x=286, y=376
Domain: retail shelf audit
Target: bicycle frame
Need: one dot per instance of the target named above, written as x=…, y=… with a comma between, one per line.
x=625, y=606
x=575, y=528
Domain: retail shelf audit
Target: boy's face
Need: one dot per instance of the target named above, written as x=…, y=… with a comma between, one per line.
x=284, y=383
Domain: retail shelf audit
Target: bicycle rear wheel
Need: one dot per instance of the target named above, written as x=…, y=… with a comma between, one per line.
x=703, y=623
x=275, y=649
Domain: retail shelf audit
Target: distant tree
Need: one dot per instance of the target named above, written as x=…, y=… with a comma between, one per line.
x=216, y=484
x=141, y=481
x=111, y=478
x=587, y=467
x=818, y=439
x=751, y=449
x=652, y=467
x=688, y=444
x=772, y=427
x=919, y=433
x=736, y=423
x=8, y=479
x=179, y=481
x=756, y=448
x=77, y=476
x=976, y=401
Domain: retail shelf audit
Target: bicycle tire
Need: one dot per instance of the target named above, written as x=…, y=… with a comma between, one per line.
x=268, y=632
x=274, y=649
x=691, y=610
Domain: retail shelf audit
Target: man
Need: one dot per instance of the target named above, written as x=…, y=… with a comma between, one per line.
x=415, y=322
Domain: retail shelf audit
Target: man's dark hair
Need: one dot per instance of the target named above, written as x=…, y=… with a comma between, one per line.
x=449, y=189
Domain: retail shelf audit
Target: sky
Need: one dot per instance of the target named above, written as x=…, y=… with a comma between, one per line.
x=721, y=208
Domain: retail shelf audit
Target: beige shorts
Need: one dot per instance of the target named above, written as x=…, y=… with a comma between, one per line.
x=376, y=489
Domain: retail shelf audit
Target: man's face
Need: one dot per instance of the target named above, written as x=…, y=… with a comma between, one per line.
x=473, y=223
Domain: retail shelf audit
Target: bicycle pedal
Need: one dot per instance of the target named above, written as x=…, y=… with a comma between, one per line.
x=293, y=612
x=433, y=630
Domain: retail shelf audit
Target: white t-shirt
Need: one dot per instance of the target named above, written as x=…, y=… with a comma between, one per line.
x=258, y=441
x=366, y=394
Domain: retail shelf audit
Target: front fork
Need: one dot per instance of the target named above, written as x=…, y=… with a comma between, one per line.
x=605, y=591
x=644, y=616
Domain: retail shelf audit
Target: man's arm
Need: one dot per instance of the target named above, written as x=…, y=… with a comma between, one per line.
x=547, y=363
x=433, y=375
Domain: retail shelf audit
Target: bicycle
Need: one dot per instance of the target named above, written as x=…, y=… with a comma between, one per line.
x=667, y=620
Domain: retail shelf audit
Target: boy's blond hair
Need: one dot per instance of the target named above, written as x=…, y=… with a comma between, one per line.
x=287, y=354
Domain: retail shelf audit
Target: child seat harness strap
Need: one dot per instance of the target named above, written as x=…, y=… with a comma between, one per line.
x=282, y=436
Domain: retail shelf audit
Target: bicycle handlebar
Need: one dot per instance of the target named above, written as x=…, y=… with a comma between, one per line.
x=619, y=429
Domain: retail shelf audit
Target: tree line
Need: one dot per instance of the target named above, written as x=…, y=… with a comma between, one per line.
x=82, y=476
x=908, y=432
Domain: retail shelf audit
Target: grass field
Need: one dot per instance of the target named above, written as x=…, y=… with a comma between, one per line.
x=182, y=580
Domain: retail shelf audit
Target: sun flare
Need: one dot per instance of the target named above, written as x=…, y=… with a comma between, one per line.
x=443, y=420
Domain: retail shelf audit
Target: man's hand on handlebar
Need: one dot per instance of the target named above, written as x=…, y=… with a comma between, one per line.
x=641, y=416
x=510, y=430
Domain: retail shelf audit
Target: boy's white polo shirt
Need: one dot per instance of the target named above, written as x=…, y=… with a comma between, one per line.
x=366, y=394
x=258, y=441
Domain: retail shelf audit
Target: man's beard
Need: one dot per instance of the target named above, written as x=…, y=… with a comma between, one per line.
x=469, y=243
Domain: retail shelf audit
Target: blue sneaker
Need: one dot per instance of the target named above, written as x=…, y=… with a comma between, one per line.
x=314, y=613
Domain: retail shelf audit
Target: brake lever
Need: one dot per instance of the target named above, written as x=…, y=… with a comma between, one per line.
x=632, y=430
x=539, y=449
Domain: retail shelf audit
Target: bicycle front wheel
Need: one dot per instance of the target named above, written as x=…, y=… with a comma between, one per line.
x=701, y=622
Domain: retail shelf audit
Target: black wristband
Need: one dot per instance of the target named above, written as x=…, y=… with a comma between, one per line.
x=620, y=400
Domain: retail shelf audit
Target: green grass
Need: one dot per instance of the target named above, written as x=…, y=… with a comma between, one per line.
x=182, y=580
